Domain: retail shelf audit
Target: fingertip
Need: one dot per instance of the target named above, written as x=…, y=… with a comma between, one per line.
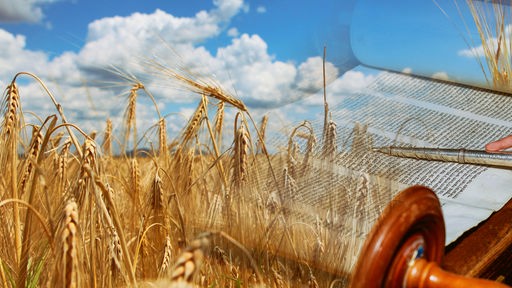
x=492, y=147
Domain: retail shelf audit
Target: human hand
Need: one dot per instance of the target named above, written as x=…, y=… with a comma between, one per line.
x=499, y=145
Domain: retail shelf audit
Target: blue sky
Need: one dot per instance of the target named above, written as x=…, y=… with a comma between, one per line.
x=425, y=36
x=268, y=53
x=64, y=25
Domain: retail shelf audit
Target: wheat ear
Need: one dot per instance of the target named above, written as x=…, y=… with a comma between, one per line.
x=330, y=141
x=240, y=159
x=193, y=125
x=189, y=262
x=9, y=157
x=219, y=123
x=166, y=261
x=69, y=241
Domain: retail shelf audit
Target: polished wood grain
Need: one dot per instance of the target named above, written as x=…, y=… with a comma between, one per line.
x=485, y=251
x=424, y=274
x=405, y=247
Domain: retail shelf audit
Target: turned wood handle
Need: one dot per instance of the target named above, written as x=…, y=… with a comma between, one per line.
x=423, y=274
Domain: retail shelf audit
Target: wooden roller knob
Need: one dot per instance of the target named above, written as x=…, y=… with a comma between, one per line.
x=405, y=245
x=423, y=274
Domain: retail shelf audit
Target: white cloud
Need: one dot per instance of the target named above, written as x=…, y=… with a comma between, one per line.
x=22, y=10
x=440, y=76
x=260, y=80
x=14, y=57
x=233, y=32
x=491, y=44
x=244, y=67
x=350, y=82
x=310, y=78
x=261, y=9
x=472, y=52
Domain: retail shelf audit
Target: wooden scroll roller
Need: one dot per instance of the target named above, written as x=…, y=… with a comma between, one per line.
x=406, y=245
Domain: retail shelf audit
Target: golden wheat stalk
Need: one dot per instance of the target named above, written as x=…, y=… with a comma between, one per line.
x=219, y=123
x=11, y=115
x=69, y=240
x=201, y=87
x=262, y=134
x=310, y=146
x=162, y=136
x=115, y=253
x=62, y=166
x=59, y=108
x=493, y=30
x=107, y=139
x=193, y=124
x=329, y=151
x=240, y=159
x=158, y=194
x=189, y=262
x=9, y=156
x=116, y=222
x=31, y=158
x=130, y=118
x=135, y=183
x=166, y=260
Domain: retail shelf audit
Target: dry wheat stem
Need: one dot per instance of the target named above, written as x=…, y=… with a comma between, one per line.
x=140, y=242
x=57, y=106
x=158, y=201
x=217, y=155
x=162, y=136
x=262, y=133
x=245, y=251
x=30, y=207
x=115, y=252
x=330, y=141
x=112, y=221
x=23, y=267
x=2, y=274
x=118, y=226
x=33, y=154
x=130, y=120
x=205, y=88
x=491, y=25
x=107, y=139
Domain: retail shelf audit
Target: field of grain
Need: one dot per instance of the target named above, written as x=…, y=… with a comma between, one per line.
x=76, y=212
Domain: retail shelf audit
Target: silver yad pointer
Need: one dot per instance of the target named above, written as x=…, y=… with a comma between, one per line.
x=464, y=156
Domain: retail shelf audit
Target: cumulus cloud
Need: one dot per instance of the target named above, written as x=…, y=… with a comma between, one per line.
x=440, y=76
x=233, y=32
x=491, y=44
x=350, y=82
x=22, y=11
x=90, y=93
x=311, y=108
x=407, y=70
x=14, y=56
x=310, y=78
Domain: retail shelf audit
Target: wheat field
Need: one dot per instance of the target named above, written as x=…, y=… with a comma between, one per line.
x=185, y=213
